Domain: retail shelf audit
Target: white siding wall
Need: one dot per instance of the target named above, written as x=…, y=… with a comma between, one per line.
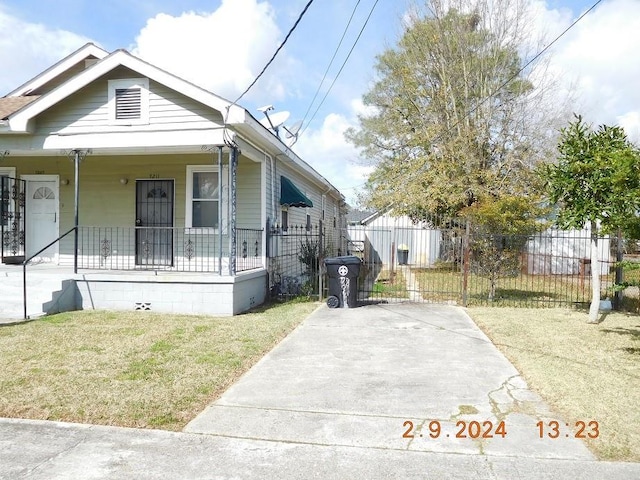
x=87, y=110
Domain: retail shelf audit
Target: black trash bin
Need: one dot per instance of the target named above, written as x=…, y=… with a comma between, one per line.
x=403, y=254
x=343, y=281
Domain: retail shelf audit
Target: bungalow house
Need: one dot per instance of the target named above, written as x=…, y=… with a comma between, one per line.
x=151, y=192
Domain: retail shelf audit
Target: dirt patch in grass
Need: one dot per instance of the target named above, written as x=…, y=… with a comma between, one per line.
x=586, y=372
x=134, y=369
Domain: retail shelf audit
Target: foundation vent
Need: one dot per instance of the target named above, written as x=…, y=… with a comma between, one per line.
x=142, y=306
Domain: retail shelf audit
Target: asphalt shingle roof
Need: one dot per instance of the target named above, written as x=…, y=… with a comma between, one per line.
x=9, y=105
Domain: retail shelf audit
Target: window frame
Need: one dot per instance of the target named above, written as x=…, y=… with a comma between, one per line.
x=188, y=218
x=124, y=83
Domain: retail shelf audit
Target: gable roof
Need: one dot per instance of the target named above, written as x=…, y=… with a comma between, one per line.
x=19, y=122
x=9, y=105
x=89, y=50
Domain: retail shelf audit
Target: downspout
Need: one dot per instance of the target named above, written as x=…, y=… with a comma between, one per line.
x=233, y=173
x=220, y=210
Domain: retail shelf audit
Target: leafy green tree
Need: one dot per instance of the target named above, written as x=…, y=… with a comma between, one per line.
x=499, y=230
x=595, y=182
x=452, y=117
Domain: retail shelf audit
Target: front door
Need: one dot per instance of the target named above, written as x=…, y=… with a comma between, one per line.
x=42, y=215
x=154, y=222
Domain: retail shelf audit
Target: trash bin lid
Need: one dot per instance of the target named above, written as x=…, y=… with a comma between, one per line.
x=345, y=260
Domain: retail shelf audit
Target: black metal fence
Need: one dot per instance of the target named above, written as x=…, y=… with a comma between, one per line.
x=451, y=264
x=12, y=218
x=167, y=248
x=295, y=258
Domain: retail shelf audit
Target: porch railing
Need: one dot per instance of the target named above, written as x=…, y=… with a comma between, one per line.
x=176, y=249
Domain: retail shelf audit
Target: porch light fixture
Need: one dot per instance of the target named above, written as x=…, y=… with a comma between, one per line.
x=124, y=181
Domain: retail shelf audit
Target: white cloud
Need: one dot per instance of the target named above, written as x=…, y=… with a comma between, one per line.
x=599, y=58
x=327, y=150
x=222, y=51
x=26, y=49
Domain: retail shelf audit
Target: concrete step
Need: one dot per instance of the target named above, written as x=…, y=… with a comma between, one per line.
x=41, y=290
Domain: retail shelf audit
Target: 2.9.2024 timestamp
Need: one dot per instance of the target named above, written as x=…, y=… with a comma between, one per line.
x=580, y=429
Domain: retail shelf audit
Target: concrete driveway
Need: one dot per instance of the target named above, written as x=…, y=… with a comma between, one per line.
x=333, y=400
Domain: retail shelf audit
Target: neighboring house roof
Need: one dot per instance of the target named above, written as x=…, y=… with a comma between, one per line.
x=355, y=216
x=10, y=105
x=373, y=216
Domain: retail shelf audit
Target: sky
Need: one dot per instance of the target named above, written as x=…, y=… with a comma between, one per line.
x=222, y=45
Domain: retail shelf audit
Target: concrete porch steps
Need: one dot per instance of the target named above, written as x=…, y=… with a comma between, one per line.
x=43, y=291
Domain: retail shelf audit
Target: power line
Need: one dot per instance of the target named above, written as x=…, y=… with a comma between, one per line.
x=490, y=96
x=342, y=67
x=276, y=52
x=335, y=53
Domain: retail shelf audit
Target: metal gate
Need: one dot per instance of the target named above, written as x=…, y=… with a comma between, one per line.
x=12, y=219
x=154, y=222
x=395, y=259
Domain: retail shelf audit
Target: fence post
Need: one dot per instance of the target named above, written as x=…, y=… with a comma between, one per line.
x=320, y=260
x=465, y=265
x=617, y=296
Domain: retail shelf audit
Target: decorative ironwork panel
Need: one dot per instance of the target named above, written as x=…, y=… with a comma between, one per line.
x=12, y=216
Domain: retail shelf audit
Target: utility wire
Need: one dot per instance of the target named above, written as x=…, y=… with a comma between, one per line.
x=342, y=67
x=276, y=52
x=331, y=62
x=490, y=96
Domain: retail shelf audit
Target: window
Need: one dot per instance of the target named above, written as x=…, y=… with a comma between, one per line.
x=285, y=220
x=129, y=101
x=308, y=226
x=203, y=197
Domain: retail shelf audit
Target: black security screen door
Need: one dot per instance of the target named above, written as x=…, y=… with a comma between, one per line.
x=154, y=222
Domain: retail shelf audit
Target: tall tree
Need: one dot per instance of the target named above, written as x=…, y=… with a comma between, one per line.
x=453, y=116
x=596, y=181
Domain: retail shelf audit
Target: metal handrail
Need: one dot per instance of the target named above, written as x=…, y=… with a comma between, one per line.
x=26, y=262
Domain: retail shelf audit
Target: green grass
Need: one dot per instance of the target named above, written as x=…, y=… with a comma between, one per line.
x=390, y=285
x=585, y=372
x=134, y=369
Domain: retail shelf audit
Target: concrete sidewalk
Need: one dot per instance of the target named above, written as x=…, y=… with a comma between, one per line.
x=332, y=401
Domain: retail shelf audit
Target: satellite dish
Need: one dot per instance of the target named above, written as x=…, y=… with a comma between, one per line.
x=292, y=131
x=278, y=119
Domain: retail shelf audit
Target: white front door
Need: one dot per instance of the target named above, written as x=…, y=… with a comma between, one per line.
x=42, y=214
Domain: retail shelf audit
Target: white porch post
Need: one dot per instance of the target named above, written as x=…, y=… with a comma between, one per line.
x=233, y=173
x=76, y=195
x=220, y=210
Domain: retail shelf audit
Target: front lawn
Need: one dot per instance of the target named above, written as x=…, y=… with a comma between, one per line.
x=133, y=369
x=586, y=372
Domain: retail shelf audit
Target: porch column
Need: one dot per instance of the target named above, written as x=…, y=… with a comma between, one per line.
x=233, y=174
x=78, y=156
x=76, y=196
x=220, y=211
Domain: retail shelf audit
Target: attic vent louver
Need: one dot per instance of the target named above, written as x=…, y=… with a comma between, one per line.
x=128, y=103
